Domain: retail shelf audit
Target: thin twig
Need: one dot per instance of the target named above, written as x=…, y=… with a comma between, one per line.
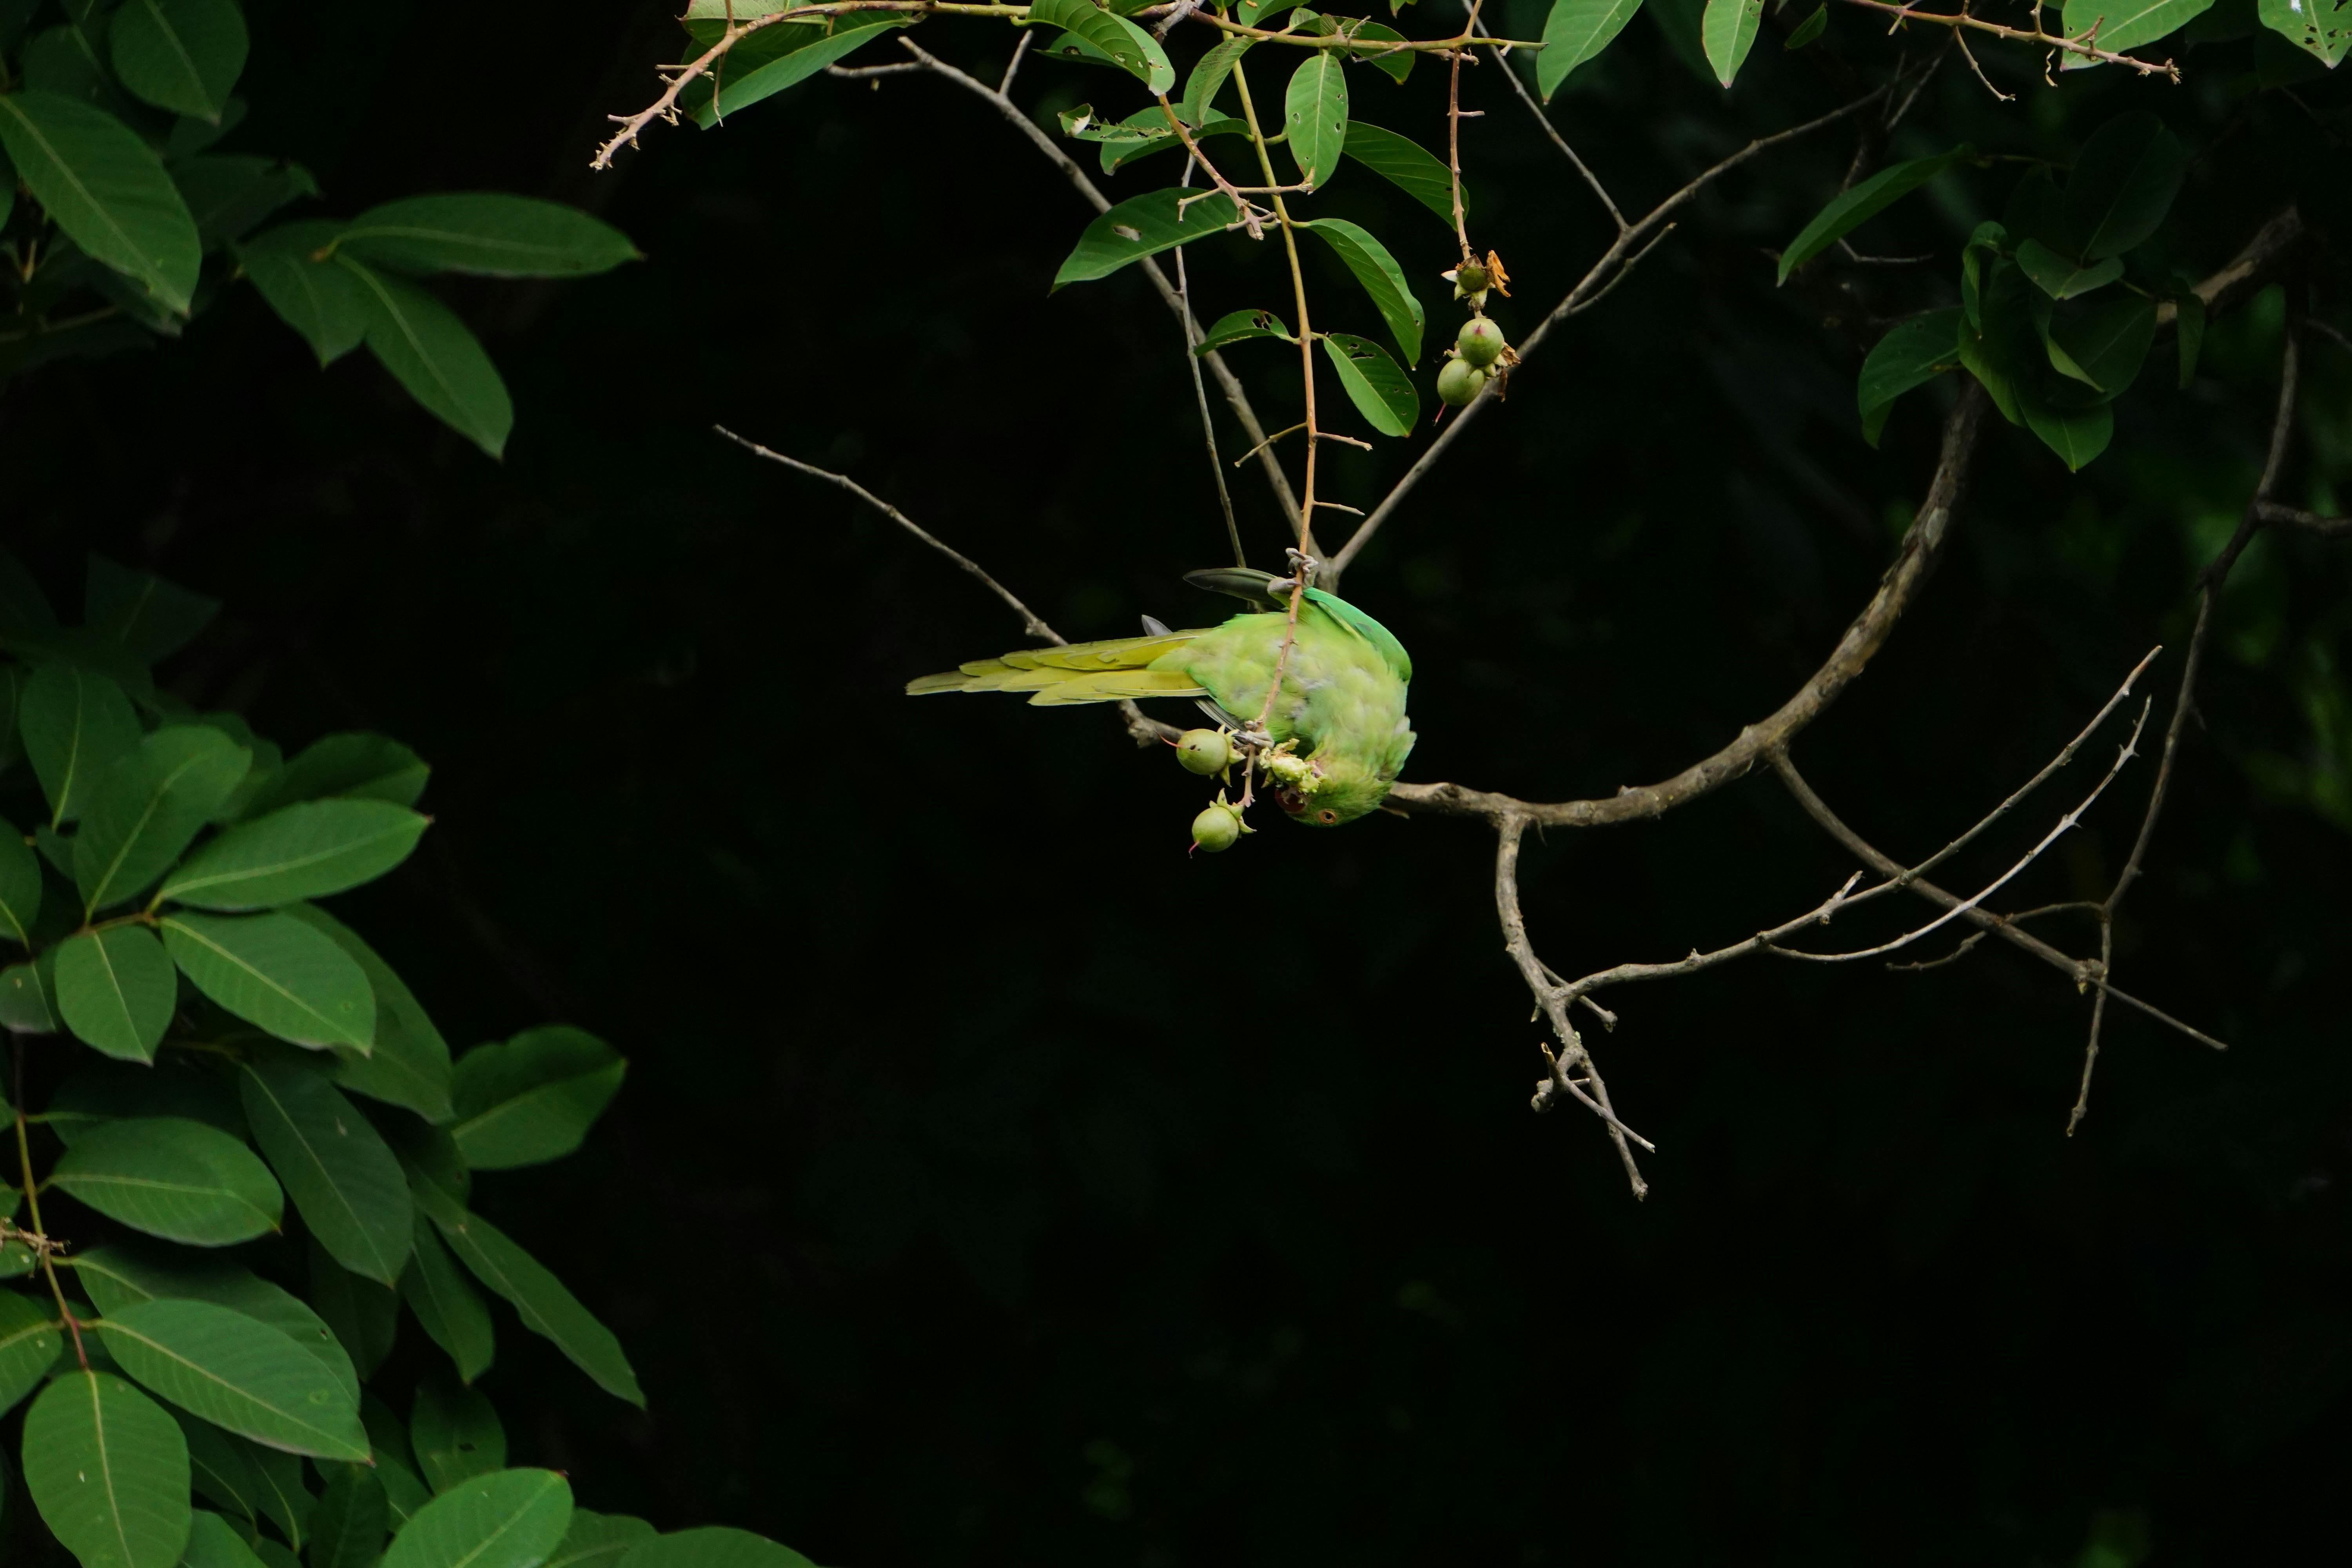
x=1227, y=383
x=2084, y=45
x=1201, y=397
x=1631, y=243
x=1140, y=726
x=1558, y=141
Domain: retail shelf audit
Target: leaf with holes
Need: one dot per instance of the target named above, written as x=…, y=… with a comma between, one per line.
x=1239, y=327
x=276, y=973
x=1375, y=384
x=2322, y=28
x=1127, y=45
x=1315, y=115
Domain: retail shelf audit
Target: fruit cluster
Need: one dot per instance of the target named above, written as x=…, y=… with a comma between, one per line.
x=1478, y=354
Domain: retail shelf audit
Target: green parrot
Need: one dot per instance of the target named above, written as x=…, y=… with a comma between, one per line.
x=1343, y=698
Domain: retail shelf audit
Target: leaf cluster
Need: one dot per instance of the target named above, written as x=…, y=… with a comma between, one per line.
x=240, y=1068
x=133, y=223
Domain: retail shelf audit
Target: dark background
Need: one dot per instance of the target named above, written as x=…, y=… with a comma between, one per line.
x=993, y=1183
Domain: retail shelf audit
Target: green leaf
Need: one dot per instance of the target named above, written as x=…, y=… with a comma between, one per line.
x=409, y=1065
x=510, y=1519
x=1375, y=46
x=1375, y=384
x=174, y=1178
x=2062, y=279
x=453, y=1313
x=120, y=1274
x=148, y=804
x=109, y=1472
x=354, y=765
x=31, y=1340
x=1853, y=207
x=1315, y=115
x=2122, y=185
x=547, y=1309
x=1912, y=355
x=1812, y=27
x=307, y=850
x=598, y=1540
x=139, y=610
x=74, y=722
x=252, y=1481
x=1575, y=32
x=20, y=886
x=344, y=1180
x=2105, y=340
x=106, y=189
x=2321, y=28
x=1381, y=278
x=2191, y=308
x=533, y=1099
x=115, y=989
x=229, y=194
x=713, y=1546
x=433, y=354
x=240, y=1375
x=1141, y=227
x=214, y=1542
x=348, y=1530
x=1407, y=165
x=1129, y=45
x=181, y=54
x=1207, y=79
x=2126, y=24
x=791, y=70
x=1728, y=32
x=2077, y=435
x=1237, y=326
x=455, y=1435
x=30, y=997
x=317, y=299
x=363, y=1315
x=276, y=973
x=487, y=234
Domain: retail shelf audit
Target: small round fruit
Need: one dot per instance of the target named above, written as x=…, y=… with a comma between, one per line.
x=1215, y=829
x=1203, y=751
x=1481, y=341
x=1458, y=381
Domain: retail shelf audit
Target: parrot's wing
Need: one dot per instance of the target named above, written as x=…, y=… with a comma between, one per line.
x=1113, y=684
x=1038, y=668
x=1391, y=652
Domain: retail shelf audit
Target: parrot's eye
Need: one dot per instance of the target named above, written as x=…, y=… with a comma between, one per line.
x=1326, y=816
x=1291, y=798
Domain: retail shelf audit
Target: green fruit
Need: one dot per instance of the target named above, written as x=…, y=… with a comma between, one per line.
x=1215, y=829
x=1481, y=341
x=1203, y=751
x=1458, y=381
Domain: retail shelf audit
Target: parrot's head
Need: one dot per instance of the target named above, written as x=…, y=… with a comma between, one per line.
x=1335, y=792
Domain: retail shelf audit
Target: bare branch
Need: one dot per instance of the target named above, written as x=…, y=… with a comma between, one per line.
x=1573, y=1056
x=1558, y=141
x=2271, y=511
x=1227, y=383
x=1633, y=242
x=1922, y=545
x=1139, y=725
x=2082, y=971
x=2085, y=46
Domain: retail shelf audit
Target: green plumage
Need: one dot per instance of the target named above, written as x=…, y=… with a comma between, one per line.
x=1342, y=699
